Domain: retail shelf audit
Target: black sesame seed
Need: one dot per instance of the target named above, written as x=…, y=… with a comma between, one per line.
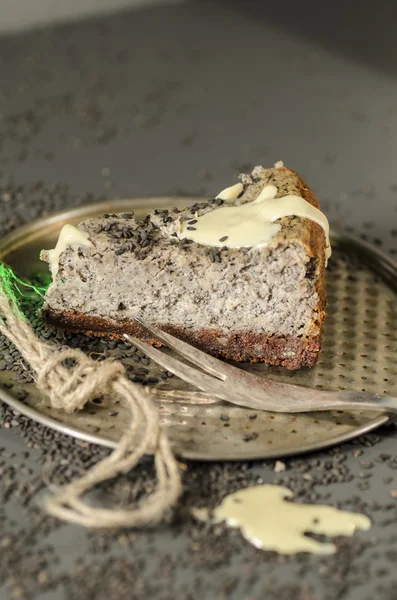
x=191, y=228
x=143, y=370
x=224, y=238
x=247, y=437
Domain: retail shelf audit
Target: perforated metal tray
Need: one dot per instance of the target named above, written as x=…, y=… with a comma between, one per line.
x=359, y=352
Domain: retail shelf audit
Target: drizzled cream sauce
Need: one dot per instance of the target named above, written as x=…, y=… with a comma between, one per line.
x=269, y=522
x=70, y=237
x=231, y=193
x=253, y=224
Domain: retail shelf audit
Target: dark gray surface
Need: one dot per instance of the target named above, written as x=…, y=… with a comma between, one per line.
x=175, y=99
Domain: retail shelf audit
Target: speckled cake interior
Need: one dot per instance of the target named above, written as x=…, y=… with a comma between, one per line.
x=244, y=304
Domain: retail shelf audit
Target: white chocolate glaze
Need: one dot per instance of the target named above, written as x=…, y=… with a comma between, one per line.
x=269, y=522
x=252, y=224
x=70, y=237
x=232, y=192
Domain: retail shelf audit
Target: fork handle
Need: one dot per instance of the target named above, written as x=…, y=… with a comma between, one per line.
x=323, y=401
x=350, y=400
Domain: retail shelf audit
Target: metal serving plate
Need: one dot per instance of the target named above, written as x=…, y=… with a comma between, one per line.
x=359, y=352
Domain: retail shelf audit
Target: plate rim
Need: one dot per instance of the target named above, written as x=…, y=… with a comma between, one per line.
x=91, y=438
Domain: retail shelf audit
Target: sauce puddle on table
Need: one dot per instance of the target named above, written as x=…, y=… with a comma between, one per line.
x=269, y=521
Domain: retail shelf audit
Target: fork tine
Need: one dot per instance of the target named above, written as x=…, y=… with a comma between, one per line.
x=209, y=364
x=189, y=374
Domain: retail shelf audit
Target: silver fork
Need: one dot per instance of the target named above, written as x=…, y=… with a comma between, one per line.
x=231, y=384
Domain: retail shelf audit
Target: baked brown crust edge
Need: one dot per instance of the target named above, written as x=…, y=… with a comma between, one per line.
x=315, y=249
x=288, y=351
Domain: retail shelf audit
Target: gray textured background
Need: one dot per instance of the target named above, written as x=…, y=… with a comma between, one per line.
x=24, y=14
x=181, y=99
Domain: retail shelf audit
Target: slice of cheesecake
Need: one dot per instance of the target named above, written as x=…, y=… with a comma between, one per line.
x=240, y=276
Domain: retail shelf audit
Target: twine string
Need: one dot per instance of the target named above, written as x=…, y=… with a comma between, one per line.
x=70, y=379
